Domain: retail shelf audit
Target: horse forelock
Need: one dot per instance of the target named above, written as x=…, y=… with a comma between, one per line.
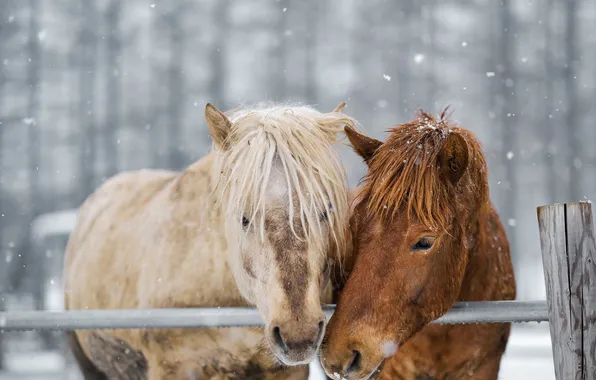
x=404, y=176
x=297, y=141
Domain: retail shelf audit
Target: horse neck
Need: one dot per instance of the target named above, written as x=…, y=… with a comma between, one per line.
x=196, y=217
x=488, y=256
x=342, y=269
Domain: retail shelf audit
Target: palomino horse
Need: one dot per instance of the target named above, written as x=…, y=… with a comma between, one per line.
x=255, y=222
x=425, y=236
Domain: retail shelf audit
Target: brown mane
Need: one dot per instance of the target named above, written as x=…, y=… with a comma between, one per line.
x=395, y=181
x=425, y=236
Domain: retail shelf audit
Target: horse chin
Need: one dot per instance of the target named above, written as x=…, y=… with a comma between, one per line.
x=361, y=375
x=373, y=375
x=286, y=360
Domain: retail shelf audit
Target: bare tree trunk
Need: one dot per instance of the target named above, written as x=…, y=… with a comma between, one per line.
x=154, y=105
x=176, y=91
x=310, y=67
x=33, y=131
x=549, y=131
x=361, y=45
x=216, y=57
x=431, y=79
x=4, y=265
x=572, y=121
x=3, y=125
x=73, y=118
x=113, y=88
x=507, y=111
x=404, y=92
x=36, y=266
x=87, y=59
x=277, y=87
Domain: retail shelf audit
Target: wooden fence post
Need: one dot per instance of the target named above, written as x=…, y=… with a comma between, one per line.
x=569, y=260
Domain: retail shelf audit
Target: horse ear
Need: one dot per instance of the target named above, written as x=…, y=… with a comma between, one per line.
x=453, y=158
x=218, y=123
x=363, y=145
x=340, y=107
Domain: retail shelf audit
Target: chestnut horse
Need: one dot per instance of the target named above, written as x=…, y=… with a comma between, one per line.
x=259, y=221
x=425, y=236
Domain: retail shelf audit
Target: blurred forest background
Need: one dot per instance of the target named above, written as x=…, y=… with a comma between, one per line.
x=92, y=87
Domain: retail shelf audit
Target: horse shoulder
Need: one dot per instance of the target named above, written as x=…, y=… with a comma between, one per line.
x=97, y=253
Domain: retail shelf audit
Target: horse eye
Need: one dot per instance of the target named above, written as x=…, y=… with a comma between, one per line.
x=324, y=216
x=244, y=221
x=423, y=244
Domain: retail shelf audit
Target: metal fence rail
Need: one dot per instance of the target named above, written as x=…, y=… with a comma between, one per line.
x=462, y=312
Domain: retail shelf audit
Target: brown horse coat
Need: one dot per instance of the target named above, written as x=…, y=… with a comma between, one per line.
x=425, y=236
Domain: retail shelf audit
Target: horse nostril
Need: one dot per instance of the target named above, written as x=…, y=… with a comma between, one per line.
x=354, y=365
x=278, y=339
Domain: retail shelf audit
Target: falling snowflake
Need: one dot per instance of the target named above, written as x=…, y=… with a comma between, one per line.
x=29, y=121
x=152, y=5
x=464, y=44
x=418, y=58
x=388, y=348
x=387, y=77
x=382, y=103
x=510, y=155
x=285, y=9
x=512, y=222
x=577, y=163
x=490, y=74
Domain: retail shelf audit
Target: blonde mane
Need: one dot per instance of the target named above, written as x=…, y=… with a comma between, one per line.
x=299, y=139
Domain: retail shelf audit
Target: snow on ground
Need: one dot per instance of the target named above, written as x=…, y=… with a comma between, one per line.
x=35, y=362
x=37, y=365
x=528, y=356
